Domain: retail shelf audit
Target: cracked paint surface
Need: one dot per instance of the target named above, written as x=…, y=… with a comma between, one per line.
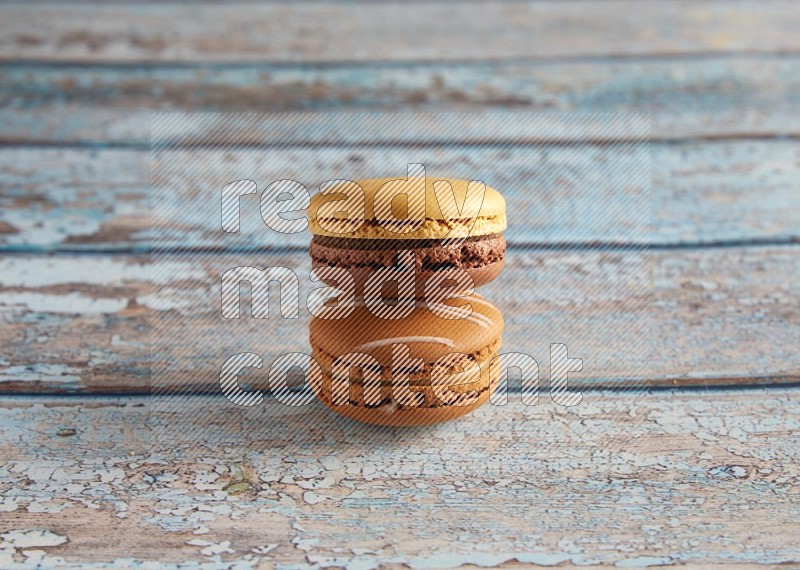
x=621, y=481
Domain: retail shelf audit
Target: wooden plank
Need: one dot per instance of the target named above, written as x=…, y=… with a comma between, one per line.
x=706, y=97
x=383, y=31
x=674, y=478
x=702, y=193
x=722, y=316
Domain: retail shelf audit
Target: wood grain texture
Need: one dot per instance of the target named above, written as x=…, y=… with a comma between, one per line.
x=673, y=478
x=725, y=316
x=382, y=31
x=704, y=193
x=696, y=476
x=704, y=97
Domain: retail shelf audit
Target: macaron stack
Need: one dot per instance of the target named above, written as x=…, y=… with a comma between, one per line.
x=392, y=361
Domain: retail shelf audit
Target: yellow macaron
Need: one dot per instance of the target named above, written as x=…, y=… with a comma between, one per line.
x=441, y=216
x=446, y=223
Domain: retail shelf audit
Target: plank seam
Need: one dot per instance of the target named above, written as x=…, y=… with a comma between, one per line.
x=468, y=144
x=790, y=241
x=780, y=54
x=788, y=382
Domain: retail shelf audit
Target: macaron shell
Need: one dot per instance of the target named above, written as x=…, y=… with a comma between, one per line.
x=430, y=229
x=427, y=335
x=480, y=276
x=430, y=411
x=441, y=220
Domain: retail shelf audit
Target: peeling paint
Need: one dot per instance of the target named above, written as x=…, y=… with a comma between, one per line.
x=71, y=303
x=608, y=488
x=30, y=538
x=49, y=373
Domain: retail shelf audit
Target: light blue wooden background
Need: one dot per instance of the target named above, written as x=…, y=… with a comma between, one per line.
x=702, y=473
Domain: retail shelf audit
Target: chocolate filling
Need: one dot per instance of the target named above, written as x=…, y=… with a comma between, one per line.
x=431, y=254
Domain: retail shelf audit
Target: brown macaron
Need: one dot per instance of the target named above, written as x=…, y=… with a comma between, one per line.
x=416, y=370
